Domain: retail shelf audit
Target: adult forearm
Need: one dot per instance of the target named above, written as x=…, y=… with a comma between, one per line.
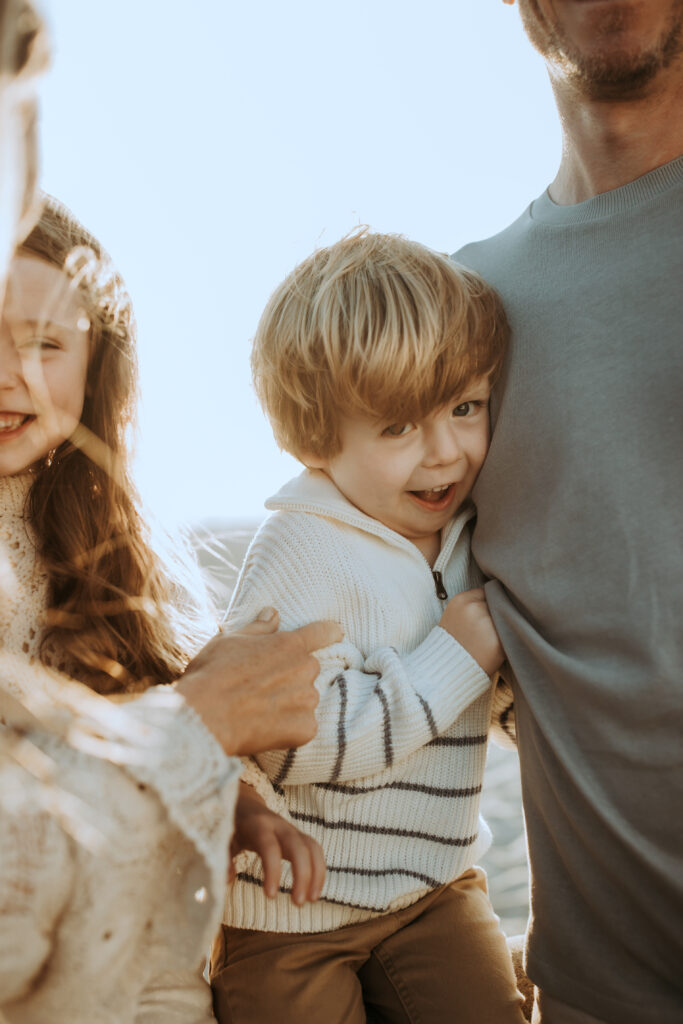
x=254, y=689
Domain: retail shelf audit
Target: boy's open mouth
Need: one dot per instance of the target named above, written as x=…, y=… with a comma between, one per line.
x=436, y=498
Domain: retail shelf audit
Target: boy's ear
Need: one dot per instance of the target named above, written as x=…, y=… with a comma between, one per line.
x=314, y=461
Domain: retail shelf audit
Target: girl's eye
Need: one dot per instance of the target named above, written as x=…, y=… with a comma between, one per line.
x=398, y=429
x=42, y=344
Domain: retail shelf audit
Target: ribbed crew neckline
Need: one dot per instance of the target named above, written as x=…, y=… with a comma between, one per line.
x=607, y=204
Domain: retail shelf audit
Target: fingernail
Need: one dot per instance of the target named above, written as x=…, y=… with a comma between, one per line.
x=266, y=615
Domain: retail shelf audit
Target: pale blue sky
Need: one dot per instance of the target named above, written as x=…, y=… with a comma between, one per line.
x=212, y=146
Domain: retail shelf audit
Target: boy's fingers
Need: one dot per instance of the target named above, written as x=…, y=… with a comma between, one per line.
x=271, y=858
x=319, y=634
x=318, y=871
x=298, y=855
x=308, y=866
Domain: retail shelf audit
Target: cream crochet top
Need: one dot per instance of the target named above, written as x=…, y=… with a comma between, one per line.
x=114, y=830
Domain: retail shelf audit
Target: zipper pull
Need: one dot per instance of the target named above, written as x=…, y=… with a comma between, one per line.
x=440, y=589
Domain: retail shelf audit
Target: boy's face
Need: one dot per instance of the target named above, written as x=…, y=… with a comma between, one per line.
x=412, y=477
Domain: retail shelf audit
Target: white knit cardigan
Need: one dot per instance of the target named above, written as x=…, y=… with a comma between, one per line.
x=390, y=786
x=114, y=829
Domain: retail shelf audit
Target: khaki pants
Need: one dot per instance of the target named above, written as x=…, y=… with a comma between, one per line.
x=442, y=959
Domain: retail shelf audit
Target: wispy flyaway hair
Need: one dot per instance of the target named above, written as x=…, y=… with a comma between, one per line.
x=375, y=325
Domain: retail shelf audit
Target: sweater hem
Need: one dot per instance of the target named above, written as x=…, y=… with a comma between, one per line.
x=263, y=915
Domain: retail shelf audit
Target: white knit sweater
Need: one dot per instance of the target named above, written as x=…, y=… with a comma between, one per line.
x=114, y=828
x=390, y=786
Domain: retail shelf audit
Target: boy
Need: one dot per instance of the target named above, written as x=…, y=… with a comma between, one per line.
x=374, y=362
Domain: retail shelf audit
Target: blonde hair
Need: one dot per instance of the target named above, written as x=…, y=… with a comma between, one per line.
x=375, y=324
x=113, y=616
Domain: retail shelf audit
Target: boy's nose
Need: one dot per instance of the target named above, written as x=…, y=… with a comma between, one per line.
x=443, y=448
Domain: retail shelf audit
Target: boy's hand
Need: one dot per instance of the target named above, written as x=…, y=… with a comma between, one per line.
x=467, y=619
x=274, y=839
x=255, y=689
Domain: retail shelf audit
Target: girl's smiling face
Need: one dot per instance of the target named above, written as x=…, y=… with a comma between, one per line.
x=44, y=351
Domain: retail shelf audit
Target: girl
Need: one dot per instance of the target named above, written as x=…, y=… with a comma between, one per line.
x=112, y=618
x=115, y=820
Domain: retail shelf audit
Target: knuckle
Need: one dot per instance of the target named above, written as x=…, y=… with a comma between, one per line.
x=312, y=698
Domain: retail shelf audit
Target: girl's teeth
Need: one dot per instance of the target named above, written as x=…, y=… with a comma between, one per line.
x=11, y=422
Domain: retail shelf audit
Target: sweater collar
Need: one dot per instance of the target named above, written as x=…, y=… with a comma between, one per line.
x=607, y=204
x=13, y=493
x=313, y=491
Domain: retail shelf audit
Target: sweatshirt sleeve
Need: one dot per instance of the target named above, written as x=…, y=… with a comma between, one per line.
x=374, y=709
x=373, y=713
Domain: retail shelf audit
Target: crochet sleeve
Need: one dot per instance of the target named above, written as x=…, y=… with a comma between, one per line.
x=36, y=878
x=195, y=783
x=373, y=711
x=156, y=748
x=176, y=997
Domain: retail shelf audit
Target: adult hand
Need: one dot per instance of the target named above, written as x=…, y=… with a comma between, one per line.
x=259, y=829
x=467, y=619
x=254, y=689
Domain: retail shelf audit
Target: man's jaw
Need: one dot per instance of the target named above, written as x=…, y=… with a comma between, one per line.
x=600, y=53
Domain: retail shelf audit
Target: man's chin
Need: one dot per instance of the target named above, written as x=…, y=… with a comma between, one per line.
x=607, y=52
x=618, y=78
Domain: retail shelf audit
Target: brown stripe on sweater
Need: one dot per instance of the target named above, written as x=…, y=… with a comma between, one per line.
x=376, y=830
x=286, y=767
x=408, y=787
x=429, y=716
x=458, y=741
x=388, y=743
x=243, y=876
x=433, y=883
x=341, y=727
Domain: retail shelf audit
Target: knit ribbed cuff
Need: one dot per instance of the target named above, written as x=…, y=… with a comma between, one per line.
x=449, y=678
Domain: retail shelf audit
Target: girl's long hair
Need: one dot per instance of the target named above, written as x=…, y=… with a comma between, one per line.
x=113, y=619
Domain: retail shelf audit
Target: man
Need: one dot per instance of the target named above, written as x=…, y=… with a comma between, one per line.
x=580, y=521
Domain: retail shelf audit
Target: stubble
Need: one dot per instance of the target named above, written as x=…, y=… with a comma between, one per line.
x=613, y=73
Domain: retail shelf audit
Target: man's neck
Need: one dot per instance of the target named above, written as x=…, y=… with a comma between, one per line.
x=609, y=144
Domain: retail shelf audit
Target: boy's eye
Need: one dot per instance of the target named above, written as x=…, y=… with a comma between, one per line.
x=467, y=408
x=398, y=429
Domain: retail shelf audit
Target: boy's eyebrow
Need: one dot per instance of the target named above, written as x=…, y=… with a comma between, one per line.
x=473, y=387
